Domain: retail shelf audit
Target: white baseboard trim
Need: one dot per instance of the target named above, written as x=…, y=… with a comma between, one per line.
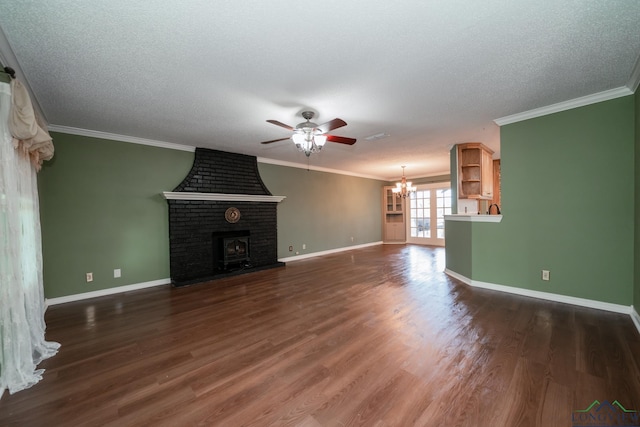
x=458, y=276
x=104, y=292
x=327, y=252
x=636, y=318
x=583, y=302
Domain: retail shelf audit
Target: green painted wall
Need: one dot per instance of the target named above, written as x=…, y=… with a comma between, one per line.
x=424, y=180
x=428, y=180
x=636, y=287
x=323, y=210
x=101, y=209
x=458, y=247
x=568, y=180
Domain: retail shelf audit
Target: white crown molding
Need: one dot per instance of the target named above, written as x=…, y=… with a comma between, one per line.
x=565, y=105
x=173, y=146
x=316, y=168
x=105, y=292
x=120, y=138
x=327, y=252
x=184, y=195
x=583, y=302
x=634, y=78
x=473, y=218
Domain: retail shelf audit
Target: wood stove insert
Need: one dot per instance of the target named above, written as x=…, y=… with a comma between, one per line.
x=231, y=249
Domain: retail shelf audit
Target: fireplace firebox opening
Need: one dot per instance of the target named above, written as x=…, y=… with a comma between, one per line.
x=231, y=250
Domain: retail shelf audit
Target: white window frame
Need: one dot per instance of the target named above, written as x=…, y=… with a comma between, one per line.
x=433, y=240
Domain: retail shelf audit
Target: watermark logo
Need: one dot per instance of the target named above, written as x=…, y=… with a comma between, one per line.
x=605, y=414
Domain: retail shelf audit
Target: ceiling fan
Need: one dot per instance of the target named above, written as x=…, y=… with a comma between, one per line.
x=310, y=137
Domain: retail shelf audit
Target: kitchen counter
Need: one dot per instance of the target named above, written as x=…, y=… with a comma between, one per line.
x=473, y=218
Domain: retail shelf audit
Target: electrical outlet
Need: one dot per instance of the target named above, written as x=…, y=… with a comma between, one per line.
x=545, y=275
x=352, y=238
x=117, y=273
x=89, y=277
x=290, y=248
x=304, y=246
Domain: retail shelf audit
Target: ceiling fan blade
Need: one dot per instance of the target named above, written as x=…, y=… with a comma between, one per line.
x=277, y=123
x=274, y=140
x=341, y=139
x=333, y=124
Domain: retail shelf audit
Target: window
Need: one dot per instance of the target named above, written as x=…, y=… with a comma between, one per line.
x=426, y=210
x=420, y=214
x=443, y=205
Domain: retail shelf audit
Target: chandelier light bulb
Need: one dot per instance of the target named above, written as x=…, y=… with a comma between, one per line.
x=403, y=188
x=307, y=142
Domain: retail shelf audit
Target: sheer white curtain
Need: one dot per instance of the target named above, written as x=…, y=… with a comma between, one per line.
x=22, y=327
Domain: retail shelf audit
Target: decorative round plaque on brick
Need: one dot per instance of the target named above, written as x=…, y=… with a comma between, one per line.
x=232, y=215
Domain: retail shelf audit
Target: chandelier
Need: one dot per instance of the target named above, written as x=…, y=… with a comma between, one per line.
x=308, y=141
x=403, y=188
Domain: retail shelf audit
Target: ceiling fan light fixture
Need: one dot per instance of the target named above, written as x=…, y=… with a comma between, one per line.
x=298, y=139
x=310, y=137
x=307, y=142
x=320, y=140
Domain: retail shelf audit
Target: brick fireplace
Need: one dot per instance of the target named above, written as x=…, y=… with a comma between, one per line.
x=222, y=219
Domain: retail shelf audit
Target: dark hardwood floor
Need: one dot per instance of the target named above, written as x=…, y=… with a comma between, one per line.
x=374, y=337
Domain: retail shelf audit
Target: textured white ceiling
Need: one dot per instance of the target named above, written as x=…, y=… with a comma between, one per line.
x=209, y=73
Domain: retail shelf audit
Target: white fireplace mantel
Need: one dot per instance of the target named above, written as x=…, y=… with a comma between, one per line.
x=183, y=195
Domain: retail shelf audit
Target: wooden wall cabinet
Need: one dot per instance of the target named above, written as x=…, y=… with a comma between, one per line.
x=393, y=217
x=475, y=171
x=496, y=183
